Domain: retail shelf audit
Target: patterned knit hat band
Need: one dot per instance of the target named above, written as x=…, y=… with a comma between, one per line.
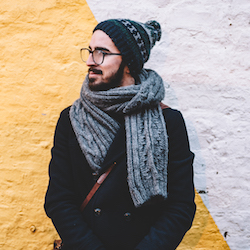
x=134, y=40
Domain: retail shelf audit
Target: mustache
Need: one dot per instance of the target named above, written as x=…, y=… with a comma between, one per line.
x=96, y=71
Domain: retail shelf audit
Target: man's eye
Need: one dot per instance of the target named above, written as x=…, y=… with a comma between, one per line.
x=100, y=51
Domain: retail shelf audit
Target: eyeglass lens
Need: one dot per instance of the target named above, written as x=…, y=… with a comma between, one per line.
x=96, y=54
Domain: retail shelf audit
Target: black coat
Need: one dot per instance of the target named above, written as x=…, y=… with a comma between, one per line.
x=110, y=220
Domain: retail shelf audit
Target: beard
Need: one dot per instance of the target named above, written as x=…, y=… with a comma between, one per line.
x=113, y=81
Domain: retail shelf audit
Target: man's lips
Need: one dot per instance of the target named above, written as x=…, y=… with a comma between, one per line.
x=95, y=71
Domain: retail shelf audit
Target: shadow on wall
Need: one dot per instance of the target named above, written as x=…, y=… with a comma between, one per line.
x=204, y=233
x=199, y=162
x=201, y=221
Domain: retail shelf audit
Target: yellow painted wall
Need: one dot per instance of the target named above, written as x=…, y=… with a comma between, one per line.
x=204, y=233
x=40, y=74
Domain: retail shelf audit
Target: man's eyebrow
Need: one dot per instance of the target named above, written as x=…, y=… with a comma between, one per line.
x=100, y=48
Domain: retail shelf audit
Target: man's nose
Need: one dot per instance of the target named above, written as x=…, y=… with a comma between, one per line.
x=90, y=60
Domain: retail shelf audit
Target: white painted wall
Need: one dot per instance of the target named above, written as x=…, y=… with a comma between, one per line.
x=204, y=59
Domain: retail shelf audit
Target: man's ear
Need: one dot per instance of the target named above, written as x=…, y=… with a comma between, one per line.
x=126, y=70
x=127, y=77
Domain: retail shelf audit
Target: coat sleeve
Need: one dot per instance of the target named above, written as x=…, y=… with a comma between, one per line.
x=179, y=208
x=60, y=201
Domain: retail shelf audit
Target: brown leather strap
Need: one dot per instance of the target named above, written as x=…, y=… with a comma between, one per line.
x=163, y=106
x=96, y=186
x=57, y=245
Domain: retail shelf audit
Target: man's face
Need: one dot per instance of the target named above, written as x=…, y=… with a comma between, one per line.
x=110, y=73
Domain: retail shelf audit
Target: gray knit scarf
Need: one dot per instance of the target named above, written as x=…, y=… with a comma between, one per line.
x=146, y=135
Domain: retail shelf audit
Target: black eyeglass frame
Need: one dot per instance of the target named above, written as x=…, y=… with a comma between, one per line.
x=103, y=54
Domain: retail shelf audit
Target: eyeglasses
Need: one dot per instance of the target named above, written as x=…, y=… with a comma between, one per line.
x=97, y=55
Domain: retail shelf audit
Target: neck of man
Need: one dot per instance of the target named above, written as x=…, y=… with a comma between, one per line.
x=127, y=79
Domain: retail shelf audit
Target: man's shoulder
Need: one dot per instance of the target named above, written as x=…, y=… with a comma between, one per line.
x=171, y=115
x=65, y=111
x=64, y=116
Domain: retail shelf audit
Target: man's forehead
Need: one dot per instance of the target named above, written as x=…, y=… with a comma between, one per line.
x=100, y=40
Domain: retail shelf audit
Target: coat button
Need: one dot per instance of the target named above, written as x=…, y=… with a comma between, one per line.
x=97, y=212
x=127, y=216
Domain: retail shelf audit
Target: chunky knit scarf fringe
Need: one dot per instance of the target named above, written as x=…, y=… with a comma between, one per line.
x=146, y=135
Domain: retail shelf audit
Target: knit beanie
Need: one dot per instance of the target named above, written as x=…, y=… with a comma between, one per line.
x=134, y=40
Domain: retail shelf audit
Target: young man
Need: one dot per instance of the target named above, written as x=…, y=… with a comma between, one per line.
x=147, y=200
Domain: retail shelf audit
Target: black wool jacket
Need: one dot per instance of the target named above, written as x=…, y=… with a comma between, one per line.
x=110, y=221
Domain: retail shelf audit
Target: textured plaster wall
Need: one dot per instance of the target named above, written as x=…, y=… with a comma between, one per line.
x=204, y=59
x=40, y=74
